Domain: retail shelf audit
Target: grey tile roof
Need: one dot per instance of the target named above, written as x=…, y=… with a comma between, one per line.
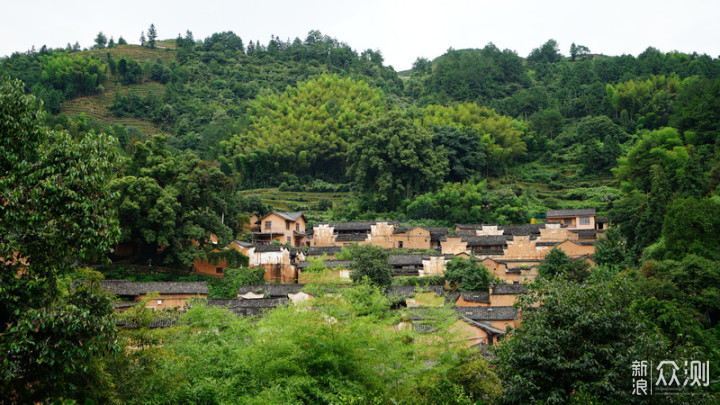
x=357, y=226
x=546, y=243
x=255, y=307
x=260, y=303
x=269, y=248
x=436, y=230
x=522, y=230
x=406, y=272
x=471, y=227
x=569, y=213
x=488, y=252
x=319, y=250
x=351, y=237
x=406, y=259
x=488, y=313
x=401, y=291
x=473, y=296
x=243, y=243
x=484, y=326
x=509, y=289
x=330, y=264
x=273, y=290
x=465, y=233
x=290, y=216
x=492, y=240
x=221, y=302
x=585, y=233
x=125, y=287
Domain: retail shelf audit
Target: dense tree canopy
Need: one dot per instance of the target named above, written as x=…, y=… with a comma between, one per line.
x=395, y=159
x=55, y=208
x=172, y=203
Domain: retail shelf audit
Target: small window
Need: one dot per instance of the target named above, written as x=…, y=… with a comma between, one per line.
x=268, y=225
x=400, y=244
x=159, y=302
x=288, y=239
x=287, y=225
x=297, y=227
x=584, y=220
x=218, y=270
x=567, y=221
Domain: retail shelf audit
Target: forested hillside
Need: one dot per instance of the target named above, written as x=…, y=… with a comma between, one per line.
x=475, y=135
x=199, y=133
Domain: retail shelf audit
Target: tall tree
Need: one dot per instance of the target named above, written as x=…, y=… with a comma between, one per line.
x=100, y=41
x=575, y=344
x=55, y=208
x=394, y=159
x=468, y=274
x=151, y=36
x=372, y=262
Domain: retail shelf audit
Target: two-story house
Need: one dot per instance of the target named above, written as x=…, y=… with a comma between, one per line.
x=284, y=227
x=573, y=219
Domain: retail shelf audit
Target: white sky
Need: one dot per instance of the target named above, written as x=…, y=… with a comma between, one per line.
x=402, y=30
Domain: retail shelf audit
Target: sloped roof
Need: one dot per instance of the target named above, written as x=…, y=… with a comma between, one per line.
x=438, y=230
x=221, y=302
x=357, y=226
x=509, y=289
x=260, y=303
x=473, y=296
x=491, y=240
x=319, y=250
x=521, y=230
x=273, y=290
x=125, y=287
x=351, y=237
x=401, y=291
x=484, y=326
x=569, y=213
x=290, y=216
x=243, y=243
x=585, y=233
x=488, y=313
x=399, y=260
x=488, y=252
x=269, y=248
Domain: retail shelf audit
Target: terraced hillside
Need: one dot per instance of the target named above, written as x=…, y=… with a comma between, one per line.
x=299, y=201
x=97, y=106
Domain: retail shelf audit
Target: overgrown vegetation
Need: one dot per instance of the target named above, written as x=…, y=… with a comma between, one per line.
x=477, y=135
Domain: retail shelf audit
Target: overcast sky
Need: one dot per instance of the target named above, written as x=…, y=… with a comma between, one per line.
x=401, y=30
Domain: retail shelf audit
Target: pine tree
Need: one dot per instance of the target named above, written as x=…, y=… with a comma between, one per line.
x=142, y=38
x=152, y=35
